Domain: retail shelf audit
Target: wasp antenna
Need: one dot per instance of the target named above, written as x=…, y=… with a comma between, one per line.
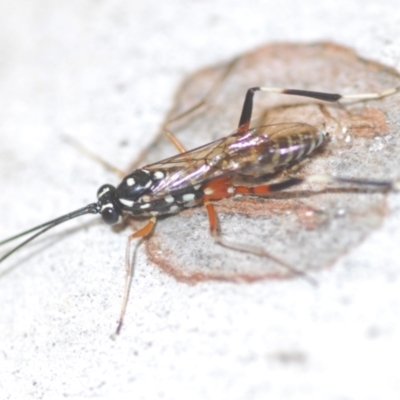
x=89, y=209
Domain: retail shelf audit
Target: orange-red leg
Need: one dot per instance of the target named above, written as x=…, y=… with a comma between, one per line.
x=146, y=230
x=221, y=188
x=214, y=231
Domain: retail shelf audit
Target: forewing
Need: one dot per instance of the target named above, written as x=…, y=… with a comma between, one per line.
x=234, y=154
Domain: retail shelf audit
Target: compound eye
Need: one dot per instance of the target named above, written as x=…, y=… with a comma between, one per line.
x=110, y=215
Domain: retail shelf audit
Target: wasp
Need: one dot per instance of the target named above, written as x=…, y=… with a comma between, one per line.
x=215, y=171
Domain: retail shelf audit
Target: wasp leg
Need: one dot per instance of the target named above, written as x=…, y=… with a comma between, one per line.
x=174, y=140
x=221, y=188
x=145, y=231
x=84, y=150
x=165, y=130
x=206, y=98
x=247, y=109
x=245, y=248
x=390, y=185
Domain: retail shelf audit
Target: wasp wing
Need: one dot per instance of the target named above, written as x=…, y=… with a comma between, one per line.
x=256, y=152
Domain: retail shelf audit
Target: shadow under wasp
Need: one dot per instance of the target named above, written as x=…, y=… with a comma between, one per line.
x=227, y=167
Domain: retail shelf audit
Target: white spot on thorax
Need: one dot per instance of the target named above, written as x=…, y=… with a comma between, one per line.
x=126, y=202
x=188, y=197
x=130, y=181
x=158, y=174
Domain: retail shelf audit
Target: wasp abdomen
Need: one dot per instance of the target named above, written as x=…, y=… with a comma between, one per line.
x=267, y=148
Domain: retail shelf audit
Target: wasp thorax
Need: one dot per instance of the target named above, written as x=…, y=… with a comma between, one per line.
x=135, y=185
x=110, y=211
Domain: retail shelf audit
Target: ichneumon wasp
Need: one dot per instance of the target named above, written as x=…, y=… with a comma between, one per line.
x=208, y=173
x=213, y=172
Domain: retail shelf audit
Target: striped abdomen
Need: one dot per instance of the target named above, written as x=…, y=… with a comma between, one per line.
x=271, y=147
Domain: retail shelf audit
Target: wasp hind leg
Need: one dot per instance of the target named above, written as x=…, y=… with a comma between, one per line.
x=222, y=188
x=247, y=109
x=245, y=248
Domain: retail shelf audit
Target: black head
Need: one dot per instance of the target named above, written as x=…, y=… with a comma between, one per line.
x=109, y=209
x=106, y=205
x=109, y=205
